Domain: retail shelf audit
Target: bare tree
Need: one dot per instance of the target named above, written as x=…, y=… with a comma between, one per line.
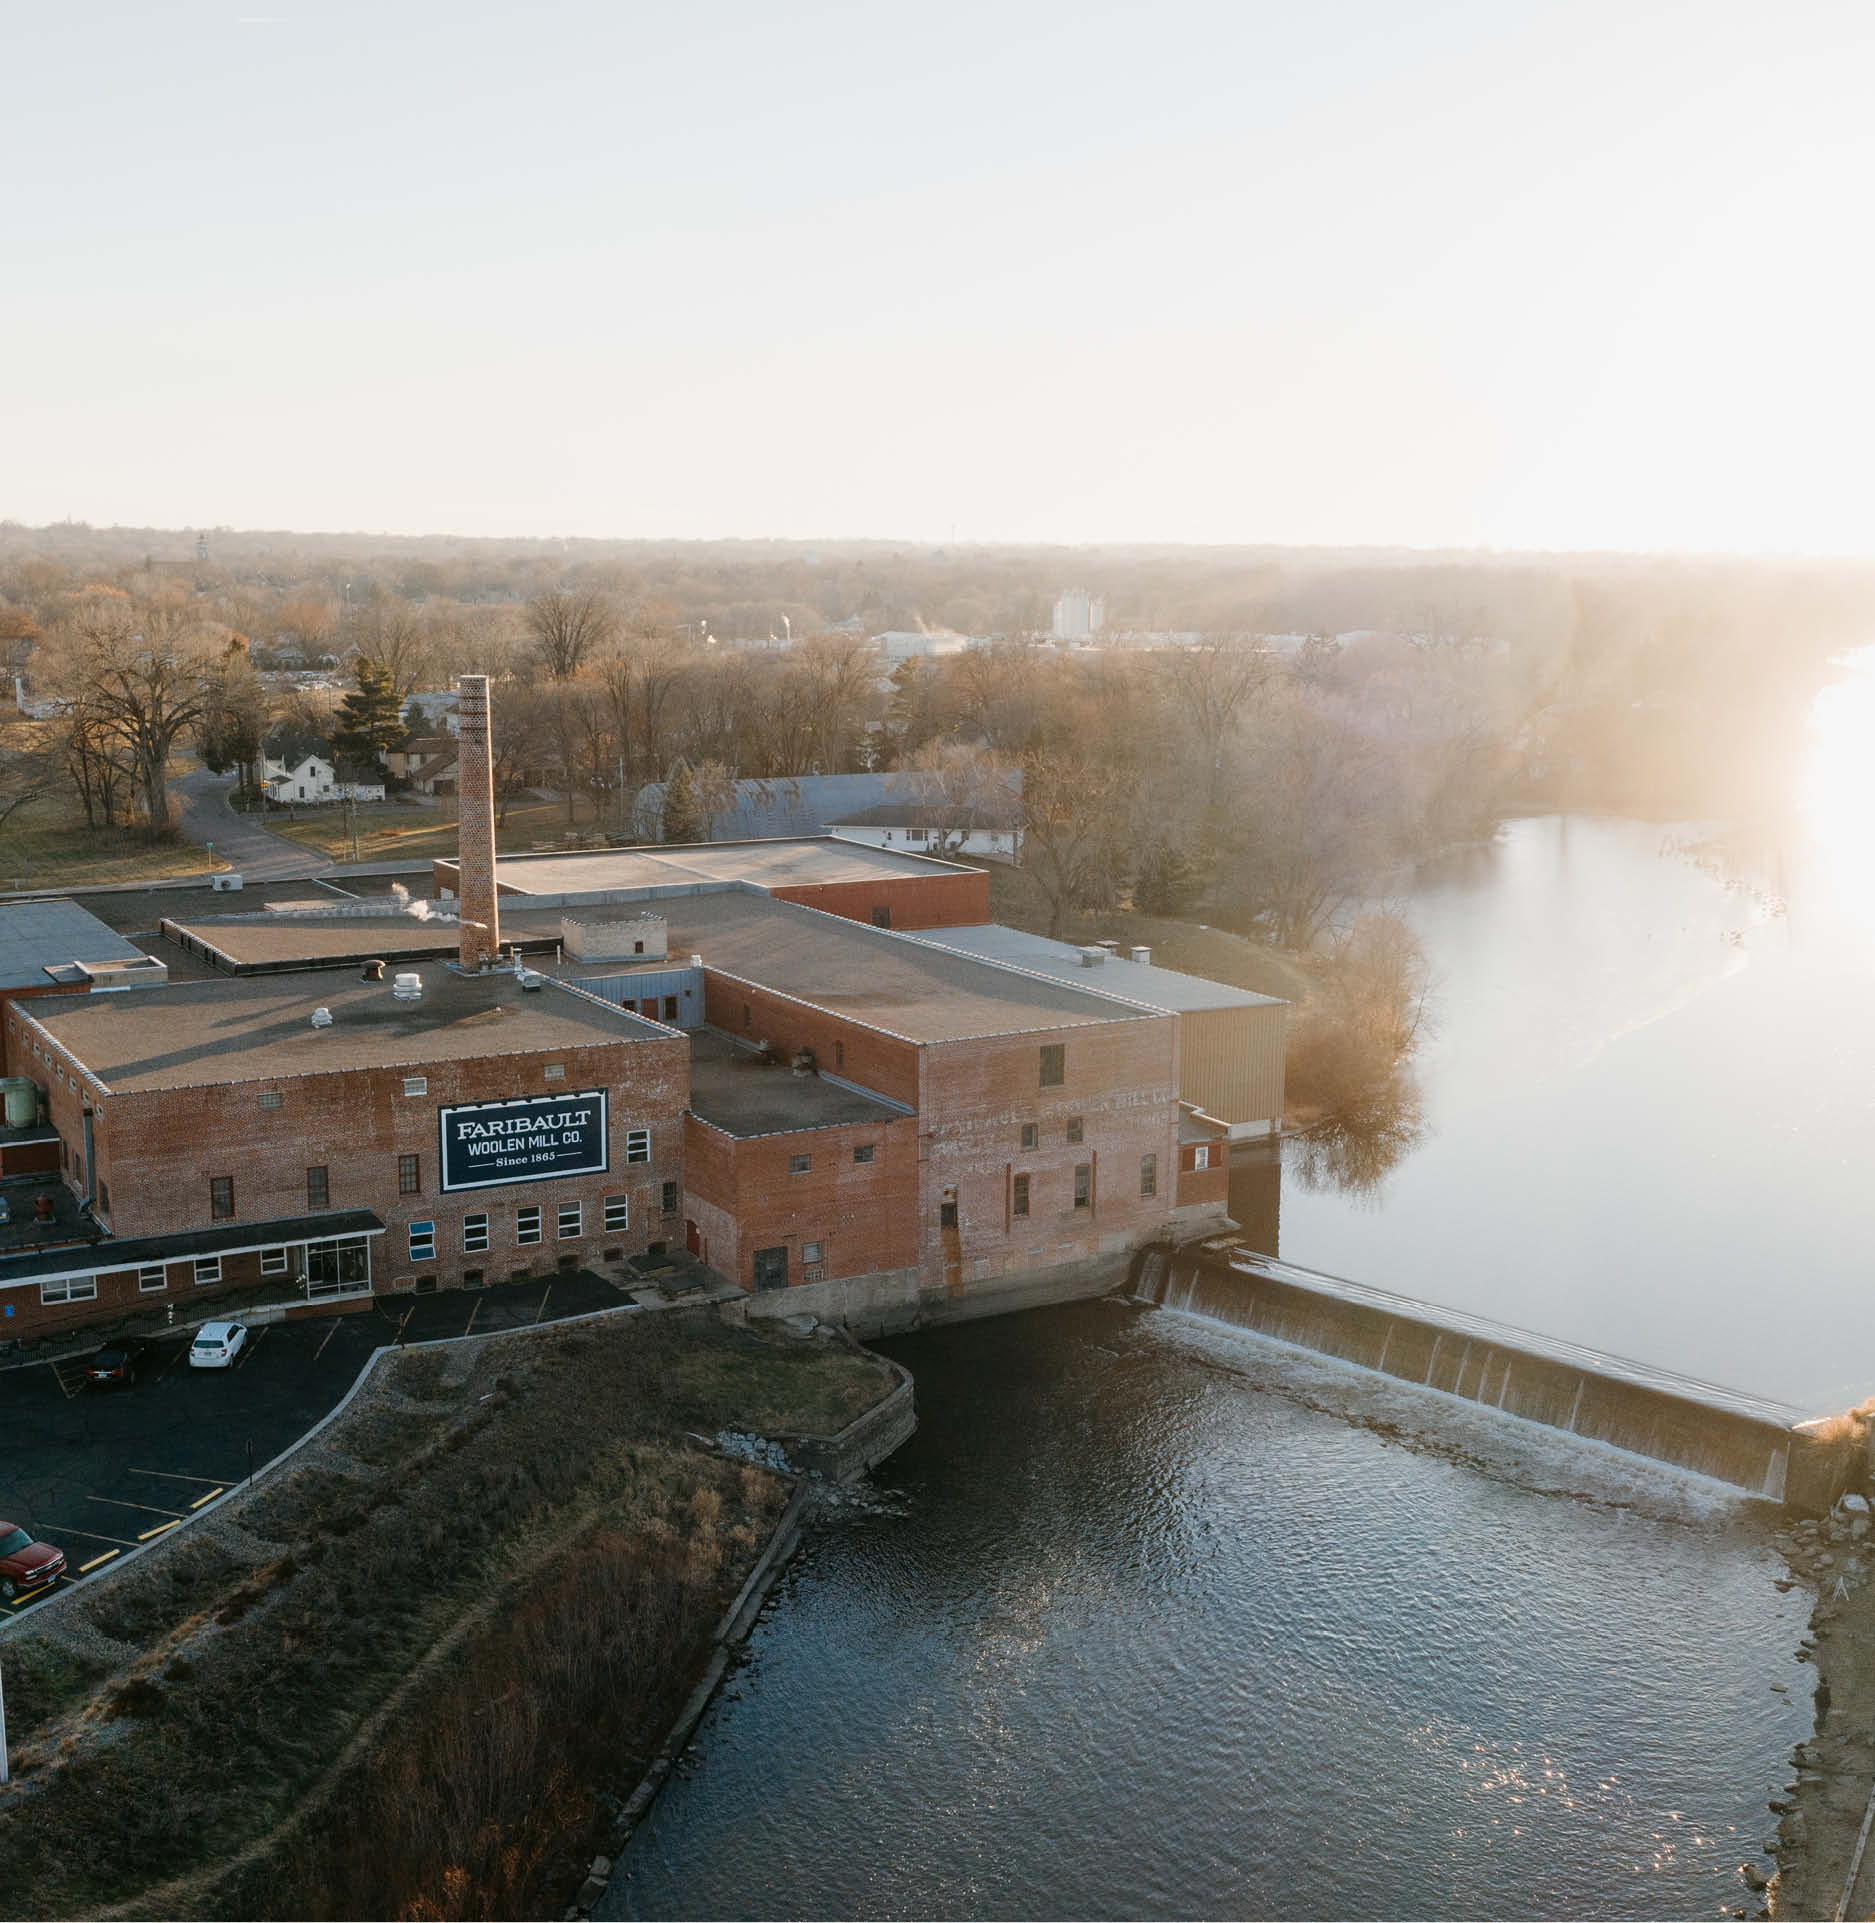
x=1070, y=805
x=956, y=789
x=1213, y=682
x=567, y=627
x=147, y=673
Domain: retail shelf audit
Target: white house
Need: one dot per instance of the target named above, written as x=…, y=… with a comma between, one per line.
x=931, y=828
x=304, y=770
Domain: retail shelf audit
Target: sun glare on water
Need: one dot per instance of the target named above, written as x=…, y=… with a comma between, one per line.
x=1839, y=787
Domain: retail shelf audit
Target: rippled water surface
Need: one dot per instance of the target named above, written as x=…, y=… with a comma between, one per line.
x=1151, y=1635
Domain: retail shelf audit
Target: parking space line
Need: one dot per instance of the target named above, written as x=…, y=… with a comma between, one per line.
x=175, y=1475
x=58, y=1376
x=117, y=1502
x=542, y=1310
x=248, y=1348
x=475, y=1309
x=71, y=1529
x=210, y=1497
x=32, y=1596
x=182, y=1349
x=162, y=1529
x=85, y=1568
x=324, y=1339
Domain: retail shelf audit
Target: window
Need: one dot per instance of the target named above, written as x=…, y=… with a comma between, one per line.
x=863, y=1153
x=1149, y=1175
x=474, y=1234
x=637, y=1145
x=416, y=1084
x=207, y=1270
x=670, y=1008
x=1019, y=1204
x=271, y=1098
x=800, y=1164
x=409, y=1175
x=1083, y=1183
x=71, y=1288
x=618, y=1214
x=1074, y=1128
x=1029, y=1136
x=810, y=1252
x=1201, y=1155
x=527, y=1226
x=569, y=1219
x=273, y=1261
x=554, y=1072
x=153, y=1278
x=670, y=1198
x=1054, y=1064
x=839, y=1054
x=914, y=834
x=221, y=1197
x=316, y=1190
x=338, y=1268
x=745, y=1014
x=423, y=1241
x=882, y=917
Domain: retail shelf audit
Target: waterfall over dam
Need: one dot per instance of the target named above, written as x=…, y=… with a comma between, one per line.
x=1762, y=1448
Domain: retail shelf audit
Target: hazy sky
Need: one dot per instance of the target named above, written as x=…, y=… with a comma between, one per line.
x=1583, y=274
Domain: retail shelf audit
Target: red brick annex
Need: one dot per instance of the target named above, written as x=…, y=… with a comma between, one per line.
x=812, y=1065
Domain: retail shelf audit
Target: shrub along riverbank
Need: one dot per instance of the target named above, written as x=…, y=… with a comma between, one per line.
x=392, y=1681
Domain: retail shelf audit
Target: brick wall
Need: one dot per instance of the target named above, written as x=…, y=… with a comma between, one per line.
x=1120, y=1082
x=913, y=901
x=882, y=1063
x=157, y=1150
x=744, y=1194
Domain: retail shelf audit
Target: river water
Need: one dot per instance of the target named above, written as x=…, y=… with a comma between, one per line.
x=1154, y=1631
x=1158, y=1619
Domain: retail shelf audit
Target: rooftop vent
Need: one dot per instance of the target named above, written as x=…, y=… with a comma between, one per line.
x=322, y=1018
x=374, y=971
x=407, y=986
x=1112, y=948
x=1142, y=954
x=532, y=982
x=1092, y=957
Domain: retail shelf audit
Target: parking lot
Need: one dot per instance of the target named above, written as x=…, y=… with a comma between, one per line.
x=99, y=1473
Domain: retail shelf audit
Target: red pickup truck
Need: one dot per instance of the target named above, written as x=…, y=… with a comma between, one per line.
x=25, y=1564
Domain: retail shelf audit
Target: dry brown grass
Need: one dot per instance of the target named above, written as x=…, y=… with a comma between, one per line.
x=520, y=1600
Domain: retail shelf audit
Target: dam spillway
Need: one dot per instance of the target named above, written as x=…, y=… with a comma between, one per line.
x=1762, y=1448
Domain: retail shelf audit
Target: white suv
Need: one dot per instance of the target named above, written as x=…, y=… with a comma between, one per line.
x=216, y=1345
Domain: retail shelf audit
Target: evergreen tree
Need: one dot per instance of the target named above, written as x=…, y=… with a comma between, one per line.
x=371, y=721
x=681, y=822
x=1165, y=882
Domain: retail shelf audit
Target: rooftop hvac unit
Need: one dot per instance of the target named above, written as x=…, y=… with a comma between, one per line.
x=224, y=884
x=1112, y=948
x=407, y=986
x=531, y=981
x=1142, y=954
x=322, y=1018
x=1092, y=957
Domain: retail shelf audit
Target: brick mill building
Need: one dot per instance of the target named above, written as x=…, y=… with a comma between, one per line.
x=803, y=1061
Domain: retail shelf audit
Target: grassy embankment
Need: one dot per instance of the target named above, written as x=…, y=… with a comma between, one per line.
x=391, y=1682
x=396, y=830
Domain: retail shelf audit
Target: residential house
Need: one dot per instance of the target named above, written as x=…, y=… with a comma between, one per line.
x=304, y=768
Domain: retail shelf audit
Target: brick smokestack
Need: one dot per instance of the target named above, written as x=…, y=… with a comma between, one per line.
x=475, y=826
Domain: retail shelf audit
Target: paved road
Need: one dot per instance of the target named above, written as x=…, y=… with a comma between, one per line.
x=206, y=819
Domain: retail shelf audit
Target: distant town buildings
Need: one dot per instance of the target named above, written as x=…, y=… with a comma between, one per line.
x=1079, y=616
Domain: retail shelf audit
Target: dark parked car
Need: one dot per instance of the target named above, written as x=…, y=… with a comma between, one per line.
x=25, y=1564
x=118, y=1364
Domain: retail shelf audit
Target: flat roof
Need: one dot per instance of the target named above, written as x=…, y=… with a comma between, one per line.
x=279, y=940
x=791, y=862
x=884, y=980
x=1166, y=989
x=132, y=1252
x=254, y=1027
x=734, y=1090
x=37, y=935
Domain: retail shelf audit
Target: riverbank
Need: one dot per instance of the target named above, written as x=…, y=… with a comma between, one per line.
x=385, y=1682
x=1824, y=1851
